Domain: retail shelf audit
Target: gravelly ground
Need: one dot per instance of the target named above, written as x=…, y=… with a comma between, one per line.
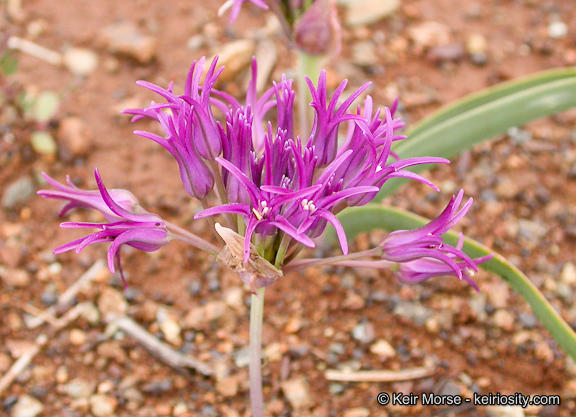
x=321, y=319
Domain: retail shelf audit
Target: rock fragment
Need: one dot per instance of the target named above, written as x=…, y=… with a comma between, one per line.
x=366, y=12
x=74, y=136
x=27, y=406
x=80, y=61
x=124, y=38
x=297, y=391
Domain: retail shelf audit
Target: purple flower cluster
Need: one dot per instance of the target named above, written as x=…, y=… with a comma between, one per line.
x=283, y=186
x=275, y=190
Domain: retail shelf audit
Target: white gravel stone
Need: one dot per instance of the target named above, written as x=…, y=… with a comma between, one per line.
x=103, y=405
x=80, y=61
x=27, y=406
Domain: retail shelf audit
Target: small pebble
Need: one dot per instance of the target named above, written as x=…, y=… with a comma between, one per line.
x=43, y=143
x=297, y=391
x=242, y=357
x=336, y=389
x=74, y=136
x=125, y=38
x=383, y=349
x=9, y=401
x=364, y=333
x=111, y=350
x=39, y=391
x=18, y=193
x=45, y=106
x=568, y=274
x=557, y=29
x=227, y=387
x=504, y=319
x=528, y=320
x=27, y=406
x=49, y=298
x=79, y=389
x=80, y=61
x=103, y=405
x=366, y=12
x=194, y=287
x=77, y=337
x=158, y=387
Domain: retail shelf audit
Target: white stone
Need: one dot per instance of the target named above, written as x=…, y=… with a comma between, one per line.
x=80, y=61
x=27, y=406
x=365, y=12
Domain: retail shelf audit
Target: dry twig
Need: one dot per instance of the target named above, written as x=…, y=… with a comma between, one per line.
x=162, y=351
x=380, y=376
x=35, y=50
x=23, y=361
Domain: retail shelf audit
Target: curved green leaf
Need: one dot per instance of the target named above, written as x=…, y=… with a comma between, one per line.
x=484, y=115
x=357, y=220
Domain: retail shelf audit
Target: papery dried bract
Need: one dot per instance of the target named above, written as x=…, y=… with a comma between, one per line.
x=255, y=273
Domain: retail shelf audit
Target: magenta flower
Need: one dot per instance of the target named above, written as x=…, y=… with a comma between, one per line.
x=422, y=253
x=88, y=199
x=422, y=269
x=144, y=231
x=286, y=188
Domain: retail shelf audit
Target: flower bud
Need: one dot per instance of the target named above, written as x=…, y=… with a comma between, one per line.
x=317, y=31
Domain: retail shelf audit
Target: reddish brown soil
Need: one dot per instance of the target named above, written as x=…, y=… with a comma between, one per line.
x=471, y=351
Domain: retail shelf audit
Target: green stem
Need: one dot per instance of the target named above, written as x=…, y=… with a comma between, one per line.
x=281, y=253
x=308, y=65
x=256, y=315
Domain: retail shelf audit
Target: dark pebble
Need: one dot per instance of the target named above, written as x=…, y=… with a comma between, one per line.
x=358, y=354
x=194, y=287
x=479, y=59
x=39, y=391
x=489, y=309
x=549, y=411
x=208, y=410
x=158, y=387
x=472, y=359
x=9, y=402
x=49, y=298
x=300, y=350
x=130, y=294
x=528, y=320
x=213, y=284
